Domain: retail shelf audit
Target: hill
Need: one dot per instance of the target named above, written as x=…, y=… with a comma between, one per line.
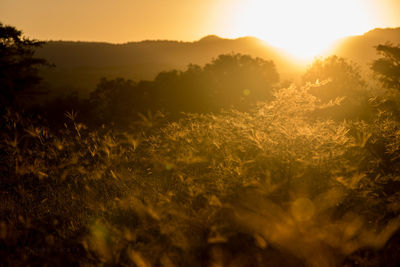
x=361, y=48
x=80, y=65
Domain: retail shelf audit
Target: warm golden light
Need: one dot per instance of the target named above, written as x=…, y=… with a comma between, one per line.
x=302, y=28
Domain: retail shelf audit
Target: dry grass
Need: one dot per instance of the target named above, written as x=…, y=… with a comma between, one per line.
x=276, y=186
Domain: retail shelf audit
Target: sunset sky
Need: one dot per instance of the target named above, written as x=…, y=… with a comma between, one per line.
x=301, y=27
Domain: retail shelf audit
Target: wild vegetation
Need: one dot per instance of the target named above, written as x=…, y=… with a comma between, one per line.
x=243, y=173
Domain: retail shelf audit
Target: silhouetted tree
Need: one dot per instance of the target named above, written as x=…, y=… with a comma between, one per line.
x=19, y=78
x=177, y=91
x=231, y=80
x=114, y=101
x=342, y=79
x=240, y=80
x=387, y=68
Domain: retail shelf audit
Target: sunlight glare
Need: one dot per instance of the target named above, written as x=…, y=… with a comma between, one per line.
x=302, y=28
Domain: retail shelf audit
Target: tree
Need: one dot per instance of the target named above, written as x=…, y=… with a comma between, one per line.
x=240, y=80
x=19, y=76
x=387, y=68
x=343, y=80
x=230, y=80
x=115, y=101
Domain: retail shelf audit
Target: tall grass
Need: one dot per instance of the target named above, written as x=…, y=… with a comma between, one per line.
x=279, y=186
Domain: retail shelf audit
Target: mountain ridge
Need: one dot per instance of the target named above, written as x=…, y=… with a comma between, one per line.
x=80, y=64
x=361, y=48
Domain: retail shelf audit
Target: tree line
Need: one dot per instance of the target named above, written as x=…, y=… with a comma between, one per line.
x=228, y=81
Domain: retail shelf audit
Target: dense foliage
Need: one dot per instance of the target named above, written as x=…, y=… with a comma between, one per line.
x=271, y=186
x=387, y=67
x=231, y=80
x=342, y=80
x=19, y=78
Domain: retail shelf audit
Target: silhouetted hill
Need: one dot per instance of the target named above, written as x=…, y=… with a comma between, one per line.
x=361, y=48
x=80, y=65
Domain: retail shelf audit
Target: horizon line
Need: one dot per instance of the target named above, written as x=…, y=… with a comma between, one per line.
x=195, y=40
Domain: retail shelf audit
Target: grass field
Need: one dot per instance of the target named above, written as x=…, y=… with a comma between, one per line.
x=277, y=186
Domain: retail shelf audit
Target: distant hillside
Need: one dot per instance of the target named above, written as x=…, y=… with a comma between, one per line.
x=361, y=48
x=80, y=65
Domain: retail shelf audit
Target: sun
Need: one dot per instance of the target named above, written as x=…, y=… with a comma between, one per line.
x=304, y=28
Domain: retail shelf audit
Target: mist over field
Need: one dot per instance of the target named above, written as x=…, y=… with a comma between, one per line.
x=218, y=152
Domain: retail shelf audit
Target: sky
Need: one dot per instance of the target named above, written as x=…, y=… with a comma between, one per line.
x=301, y=27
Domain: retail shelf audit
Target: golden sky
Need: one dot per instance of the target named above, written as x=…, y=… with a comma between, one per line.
x=299, y=26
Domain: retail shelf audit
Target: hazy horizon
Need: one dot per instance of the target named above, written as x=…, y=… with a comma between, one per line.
x=289, y=25
x=186, y=40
